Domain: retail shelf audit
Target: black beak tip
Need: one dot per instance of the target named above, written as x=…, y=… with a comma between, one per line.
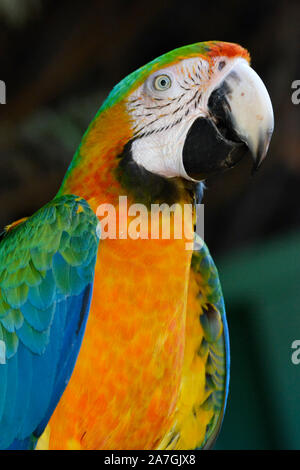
x=255, y=167
x=262, y=149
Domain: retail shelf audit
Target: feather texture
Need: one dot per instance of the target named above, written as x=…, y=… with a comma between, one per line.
x=44, y=305
x=205, y=377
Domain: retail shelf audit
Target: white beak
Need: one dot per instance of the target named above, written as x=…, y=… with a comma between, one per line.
x=250, y=108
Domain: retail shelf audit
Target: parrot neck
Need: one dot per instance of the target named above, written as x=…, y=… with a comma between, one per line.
x=102, y=169
x=91, y=174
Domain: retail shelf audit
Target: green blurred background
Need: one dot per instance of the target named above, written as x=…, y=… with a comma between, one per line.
x=59, y=59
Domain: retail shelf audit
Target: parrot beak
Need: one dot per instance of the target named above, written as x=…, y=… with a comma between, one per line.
x=240, y=121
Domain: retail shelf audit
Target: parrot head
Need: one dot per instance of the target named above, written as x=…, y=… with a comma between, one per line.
x=189, y=114
x=196, y=111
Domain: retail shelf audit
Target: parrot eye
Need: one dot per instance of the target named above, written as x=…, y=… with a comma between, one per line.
x=162, y=82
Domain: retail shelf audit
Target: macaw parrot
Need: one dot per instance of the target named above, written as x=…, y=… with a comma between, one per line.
x=122, y=342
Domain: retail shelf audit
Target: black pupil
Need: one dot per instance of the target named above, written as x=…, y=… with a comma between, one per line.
x=163, y=82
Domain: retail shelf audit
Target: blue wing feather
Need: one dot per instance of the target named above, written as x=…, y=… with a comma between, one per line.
x=72, y=338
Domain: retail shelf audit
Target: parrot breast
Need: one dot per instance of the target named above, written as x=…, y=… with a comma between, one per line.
x=124, y=390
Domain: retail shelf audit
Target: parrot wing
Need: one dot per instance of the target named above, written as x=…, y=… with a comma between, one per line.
x=205, y=378
x=46, y=277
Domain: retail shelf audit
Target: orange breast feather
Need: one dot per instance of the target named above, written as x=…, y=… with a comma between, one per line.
x=125, y=386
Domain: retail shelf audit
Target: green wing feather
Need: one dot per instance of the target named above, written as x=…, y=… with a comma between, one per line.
x=215, y=343
x=46, y=274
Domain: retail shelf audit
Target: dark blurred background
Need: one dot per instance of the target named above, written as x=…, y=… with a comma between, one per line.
x=59, y=59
